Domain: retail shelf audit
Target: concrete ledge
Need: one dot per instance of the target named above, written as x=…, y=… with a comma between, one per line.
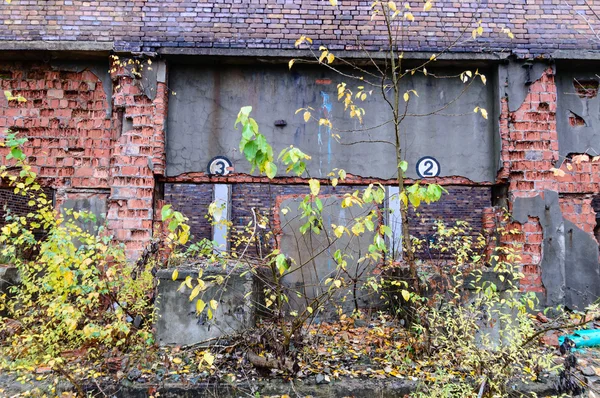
x=178, y=323
x=346, y=387
x=58, y=45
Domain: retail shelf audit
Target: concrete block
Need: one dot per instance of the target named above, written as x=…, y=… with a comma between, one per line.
x=177, y=322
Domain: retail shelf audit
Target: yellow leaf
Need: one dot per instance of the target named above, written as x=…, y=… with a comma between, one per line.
x=200, y=305
x=209, y=314
x=392, y=6
x=284, y=211
x=330, y=58
x=581, y=158
x=406, y=295
x=483, y=79
x=175, y=274
x=195, y=292
x=188, y=281
x=177, y=360
x=214, y=304
x=306, y=116
x=427, y=6
x=337, y=283
x=484, y=113
x=339, y=231
x=557, y=172
x=474, y=34
x=208, y=358
x=291, y=63
x=409, y=16
x=315, y=186
x=569, y=166
x=309, y=309
x=323, y=55
x=334, y=182
x=480, y=30
x=333, y=2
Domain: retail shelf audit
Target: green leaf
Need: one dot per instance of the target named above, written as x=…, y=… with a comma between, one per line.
x=250, y=150
x=165, y=212
x=281, y=263
x=403, y=166
x=271, y=170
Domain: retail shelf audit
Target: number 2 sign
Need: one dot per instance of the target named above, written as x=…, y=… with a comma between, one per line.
x=428, y=167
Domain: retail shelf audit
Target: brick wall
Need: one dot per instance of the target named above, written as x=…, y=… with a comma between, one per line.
x=137, y=155
x=65, y=119
x=192, y=200
x=538, y=25
x=15, y=204
x=80, y=139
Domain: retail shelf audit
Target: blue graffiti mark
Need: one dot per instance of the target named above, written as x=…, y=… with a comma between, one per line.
x=326, y=111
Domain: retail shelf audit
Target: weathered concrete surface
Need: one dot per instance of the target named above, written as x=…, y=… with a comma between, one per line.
x=177, y=320
x=346, y=387
x=95, y=204
x=578, y=115
x=313, y=255
x=570, y=268
x=201, y=115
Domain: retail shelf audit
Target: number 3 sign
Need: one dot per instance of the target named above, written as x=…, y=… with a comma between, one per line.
x=428, y=167
x=219, y=165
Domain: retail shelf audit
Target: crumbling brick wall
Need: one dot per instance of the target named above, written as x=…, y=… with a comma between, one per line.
x=80, y=139
x=530, y=153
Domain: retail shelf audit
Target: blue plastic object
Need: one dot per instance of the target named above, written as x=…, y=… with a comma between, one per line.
x=583, y=338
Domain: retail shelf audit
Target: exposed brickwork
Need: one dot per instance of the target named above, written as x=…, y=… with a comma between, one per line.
x=579, y=210
x=138, y=153
x=75, y=144
x=15, y=204
x=538, y=25
x=459, y=204
x=193, y=201
x=65, y=120
x=530, y=151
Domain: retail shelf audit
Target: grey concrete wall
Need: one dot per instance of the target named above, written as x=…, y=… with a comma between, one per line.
x=584, y=137
x=208, y=98
x=178, y=322
x=313, y=255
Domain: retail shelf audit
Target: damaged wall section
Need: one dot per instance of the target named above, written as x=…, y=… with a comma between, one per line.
x=558, y=201
x=93, y=136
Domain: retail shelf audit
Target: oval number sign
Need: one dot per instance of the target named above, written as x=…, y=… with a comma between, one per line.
x=219, y=165
x=428, y=167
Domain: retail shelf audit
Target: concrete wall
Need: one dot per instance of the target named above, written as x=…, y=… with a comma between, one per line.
x=313, y=256
x=578, y=115
x=201, y=116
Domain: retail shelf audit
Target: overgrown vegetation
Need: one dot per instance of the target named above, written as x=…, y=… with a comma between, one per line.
x=78, y=300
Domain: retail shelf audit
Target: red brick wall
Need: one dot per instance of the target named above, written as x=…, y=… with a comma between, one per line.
x=65, y=120
x=75, y=144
